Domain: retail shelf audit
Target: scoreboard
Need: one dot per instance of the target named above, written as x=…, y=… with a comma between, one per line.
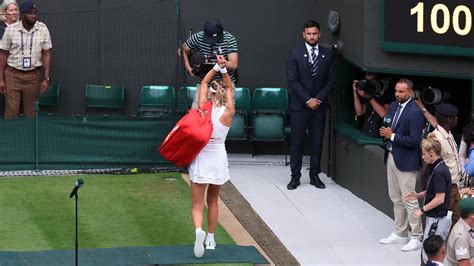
x=429, y=27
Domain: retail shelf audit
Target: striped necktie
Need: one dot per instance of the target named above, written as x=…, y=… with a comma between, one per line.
x=397, y=116
x=314, y=62
x=394, y=123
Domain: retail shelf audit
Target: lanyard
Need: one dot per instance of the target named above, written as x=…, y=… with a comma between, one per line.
x=31, y=43
x=432, y=173
x=455, y=152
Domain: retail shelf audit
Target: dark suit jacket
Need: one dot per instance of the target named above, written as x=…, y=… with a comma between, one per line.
x=302, y=86
x=408, y=133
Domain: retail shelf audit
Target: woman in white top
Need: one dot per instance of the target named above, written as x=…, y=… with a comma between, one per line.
x=9, y=14
x=210, y=168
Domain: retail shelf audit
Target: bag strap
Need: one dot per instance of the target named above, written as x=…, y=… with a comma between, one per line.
x=206, y=110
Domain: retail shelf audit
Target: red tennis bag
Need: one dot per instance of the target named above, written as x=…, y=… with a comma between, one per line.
x=188, y=137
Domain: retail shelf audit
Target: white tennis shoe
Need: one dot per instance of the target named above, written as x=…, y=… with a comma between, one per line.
x=199, y=243
x=211, y=244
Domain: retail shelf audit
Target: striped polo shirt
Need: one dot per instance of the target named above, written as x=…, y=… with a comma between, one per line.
x=227, y=44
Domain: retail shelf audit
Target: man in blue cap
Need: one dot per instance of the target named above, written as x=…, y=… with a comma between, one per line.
x=25, y=59
x=212, y=41
x=460, y=247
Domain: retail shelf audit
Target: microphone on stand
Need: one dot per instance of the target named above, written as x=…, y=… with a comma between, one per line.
x=78, y=184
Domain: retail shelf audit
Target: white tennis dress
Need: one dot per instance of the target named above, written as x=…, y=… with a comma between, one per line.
x=211, y=165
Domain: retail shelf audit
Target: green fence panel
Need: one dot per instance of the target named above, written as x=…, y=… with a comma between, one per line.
x=17, y=141
x=83, y=142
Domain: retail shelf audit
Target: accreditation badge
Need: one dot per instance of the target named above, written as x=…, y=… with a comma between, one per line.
x=26, y=62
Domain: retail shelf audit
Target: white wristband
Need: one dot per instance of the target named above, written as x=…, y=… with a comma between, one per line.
x=223, y=70
x=216, y=68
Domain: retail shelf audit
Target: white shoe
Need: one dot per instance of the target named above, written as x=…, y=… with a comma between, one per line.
x=199, y=244
x=394, y=239
x=414, y=244
x=211, y=244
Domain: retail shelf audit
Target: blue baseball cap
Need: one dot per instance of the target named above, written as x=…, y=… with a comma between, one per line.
x=212, y=31
x=27, y=7
x=447, y=109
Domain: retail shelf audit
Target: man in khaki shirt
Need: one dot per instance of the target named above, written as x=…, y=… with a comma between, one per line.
x=460, y=247
x=25, y=58
x=446, y=119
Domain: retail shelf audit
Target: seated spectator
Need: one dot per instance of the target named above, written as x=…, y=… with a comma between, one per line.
x=435, y=250
x=373, y=107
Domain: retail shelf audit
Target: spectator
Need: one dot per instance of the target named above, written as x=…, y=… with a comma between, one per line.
x=467, y=140
x=25, y=50
x=210, y=169
x=465, y=152
x=403, y=165
x=435, y=250
x=445, y=120
x=460, y=246
x=213, y=40
x=437, y=195
x=9, y=15
x=311, y=76
x=372, y=107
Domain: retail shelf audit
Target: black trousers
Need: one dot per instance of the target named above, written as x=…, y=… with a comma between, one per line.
x=312, y=122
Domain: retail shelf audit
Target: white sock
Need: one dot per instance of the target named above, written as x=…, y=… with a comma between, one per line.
x=210, y=236
x=198, y=229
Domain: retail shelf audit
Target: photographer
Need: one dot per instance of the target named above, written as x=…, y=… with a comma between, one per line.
x=371, y=99
x=201, y=49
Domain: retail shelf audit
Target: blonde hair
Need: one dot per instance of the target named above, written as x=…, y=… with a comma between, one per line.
x=431, y=143
x=4, y=6
x=220, y=88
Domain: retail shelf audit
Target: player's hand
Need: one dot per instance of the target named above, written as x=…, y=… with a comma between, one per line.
x=221, y=61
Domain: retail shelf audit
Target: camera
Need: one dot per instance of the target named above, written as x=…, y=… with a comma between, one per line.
x=373, y=88
x=432, y=95
x=200, y=63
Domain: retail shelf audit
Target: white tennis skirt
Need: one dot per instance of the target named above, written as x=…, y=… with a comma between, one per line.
x=211, y=165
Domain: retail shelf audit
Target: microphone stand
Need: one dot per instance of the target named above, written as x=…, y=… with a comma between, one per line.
x=78, y=184
x=76, y=247
x=77, y=240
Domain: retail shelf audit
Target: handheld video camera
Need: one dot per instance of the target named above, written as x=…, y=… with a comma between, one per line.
x=373, y=88
x=200, y=63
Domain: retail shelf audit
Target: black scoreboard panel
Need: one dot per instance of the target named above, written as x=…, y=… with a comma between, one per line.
x=435, y=26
